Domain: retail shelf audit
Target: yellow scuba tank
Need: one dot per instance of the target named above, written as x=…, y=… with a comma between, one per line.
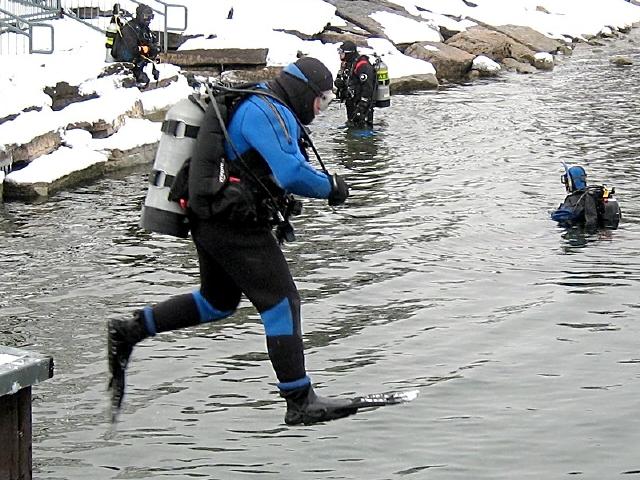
x=177, y=142
x=112, y=30
x=383, y=94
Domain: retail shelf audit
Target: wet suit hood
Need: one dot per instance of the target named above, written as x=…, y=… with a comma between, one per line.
x=575, y=178
x=299, y=83
x=350, y=51
x=144, y=15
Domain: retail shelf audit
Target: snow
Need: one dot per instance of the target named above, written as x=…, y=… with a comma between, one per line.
x=485, y=64
x=79, y=58
x=135, y=132
x=401, y=64
x=4, y=358
x=55, y=165
x=405, y=30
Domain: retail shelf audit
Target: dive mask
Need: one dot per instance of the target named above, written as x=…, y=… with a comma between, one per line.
x=326, y=98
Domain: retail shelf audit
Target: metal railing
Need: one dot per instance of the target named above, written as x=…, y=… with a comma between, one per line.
x=22, y=16
x=165, y=14
x=31, y=10
x=89, y=13
x=19, y=18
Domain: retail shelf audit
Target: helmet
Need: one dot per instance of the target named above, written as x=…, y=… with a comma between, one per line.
x=575, y=178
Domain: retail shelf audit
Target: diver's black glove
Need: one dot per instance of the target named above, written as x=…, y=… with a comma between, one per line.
x=154, y=50
x=341, y=88
x=339, y=190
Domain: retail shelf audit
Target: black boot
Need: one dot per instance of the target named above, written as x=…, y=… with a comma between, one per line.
x=122, y=335
x=142, y=80
x=304, y=406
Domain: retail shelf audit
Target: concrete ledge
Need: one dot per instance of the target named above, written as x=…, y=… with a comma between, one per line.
x=32, y=191
x=227, y=56
x=20, y=369
x=141, y=155
x=115, y=160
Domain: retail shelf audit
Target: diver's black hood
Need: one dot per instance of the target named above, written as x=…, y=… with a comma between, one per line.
x=299, y=83
x=144, y=14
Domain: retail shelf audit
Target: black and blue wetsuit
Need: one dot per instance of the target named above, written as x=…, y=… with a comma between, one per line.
x=239, y=257
x=237, y=251
x=269, y=127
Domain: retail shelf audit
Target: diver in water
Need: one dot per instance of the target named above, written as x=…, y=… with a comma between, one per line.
x=589, y=206
x=356, y=85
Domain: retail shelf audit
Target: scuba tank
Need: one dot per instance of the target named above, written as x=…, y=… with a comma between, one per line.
x=383, y=95
x=112, y=30
x=177, y=142
x=611, y=214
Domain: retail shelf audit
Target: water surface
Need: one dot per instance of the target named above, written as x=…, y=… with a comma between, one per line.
x=442, y=273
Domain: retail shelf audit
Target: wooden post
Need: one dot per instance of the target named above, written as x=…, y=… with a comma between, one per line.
x=19, y=370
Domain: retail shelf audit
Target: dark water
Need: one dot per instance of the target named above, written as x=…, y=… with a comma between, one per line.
x=443, y=273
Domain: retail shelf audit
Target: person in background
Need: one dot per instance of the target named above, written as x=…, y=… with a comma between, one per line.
x=588, y=206
x=136, y=43
x=356, y=85
x=237, y=251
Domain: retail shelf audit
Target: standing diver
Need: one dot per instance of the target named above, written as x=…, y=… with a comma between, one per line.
x=136, y=43
x=237, y=251
x=356, y=85
x=589, y=206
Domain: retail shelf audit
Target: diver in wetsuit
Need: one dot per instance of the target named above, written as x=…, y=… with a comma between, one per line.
x=136, y=43
x=589, y=206
x=356, y=85
x=232, y=232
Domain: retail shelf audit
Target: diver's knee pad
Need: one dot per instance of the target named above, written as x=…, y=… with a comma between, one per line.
x=282, y=319
x=181, y=311
x=206, y=312
x=284, y=340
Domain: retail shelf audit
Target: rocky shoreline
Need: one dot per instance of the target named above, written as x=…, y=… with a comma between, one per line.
x=478, y=51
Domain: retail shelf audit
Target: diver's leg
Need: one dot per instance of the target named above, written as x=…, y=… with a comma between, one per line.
x=252, y=257
x=217, y=298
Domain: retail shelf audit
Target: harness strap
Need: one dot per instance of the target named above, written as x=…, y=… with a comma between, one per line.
x=160, y=178
x=360, y=63
x=179, y=129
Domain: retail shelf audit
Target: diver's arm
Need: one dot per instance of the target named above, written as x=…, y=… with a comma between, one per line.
x=273, y=132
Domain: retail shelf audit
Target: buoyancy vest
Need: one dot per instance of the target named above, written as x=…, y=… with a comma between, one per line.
x=196, y=175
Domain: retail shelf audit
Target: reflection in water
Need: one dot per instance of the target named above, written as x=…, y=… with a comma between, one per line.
x=360, y=148
x=443, y=272
x=577, y=237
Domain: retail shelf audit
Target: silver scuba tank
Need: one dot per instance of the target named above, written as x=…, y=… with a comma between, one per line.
x=383, y=94
x=111, y=32
x=178, y=139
